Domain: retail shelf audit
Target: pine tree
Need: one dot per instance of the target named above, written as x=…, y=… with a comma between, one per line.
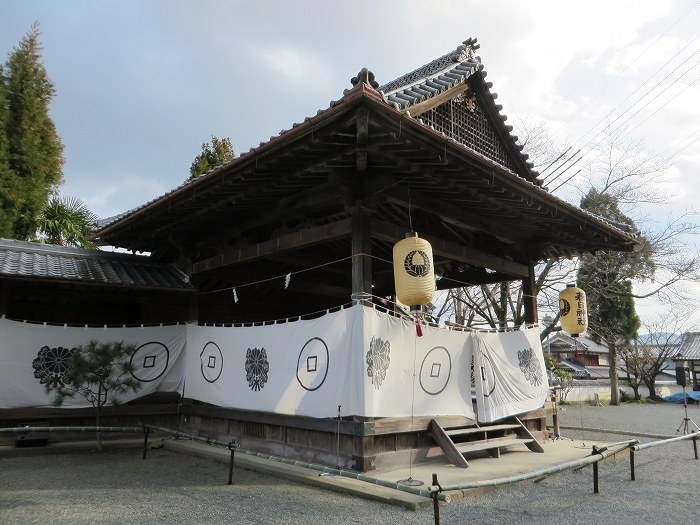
x=100, y=373
x=220, y=152
x=34, y=150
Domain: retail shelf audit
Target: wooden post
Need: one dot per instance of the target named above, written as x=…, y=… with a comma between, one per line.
x=555, y=417
x=361, y=251
x=230, y=464
x=530, y=296
x=595, y=478
x=436, y=506
x=145, y=441
x=595, y=471
x=632, y=464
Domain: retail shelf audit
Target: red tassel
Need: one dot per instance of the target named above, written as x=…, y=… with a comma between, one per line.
x=419, y=330
x=576, y=348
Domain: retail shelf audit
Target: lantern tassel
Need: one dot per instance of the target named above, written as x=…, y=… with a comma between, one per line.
x=419, y=330
x=576, y=348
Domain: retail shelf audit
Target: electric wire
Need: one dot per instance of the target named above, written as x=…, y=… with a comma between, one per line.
x=629, y=96
x=604, y=88
x=640, y=99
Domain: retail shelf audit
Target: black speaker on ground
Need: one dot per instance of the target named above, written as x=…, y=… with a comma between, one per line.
x=680, y=375
x=32, y=438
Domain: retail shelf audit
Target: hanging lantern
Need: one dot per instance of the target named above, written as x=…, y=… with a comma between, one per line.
x=414, y=276
x=574, y=316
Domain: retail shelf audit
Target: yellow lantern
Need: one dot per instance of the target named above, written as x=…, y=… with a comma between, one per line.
x=414, y=276
x=574, y=315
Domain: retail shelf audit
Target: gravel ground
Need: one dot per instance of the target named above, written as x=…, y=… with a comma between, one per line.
x=117, y=487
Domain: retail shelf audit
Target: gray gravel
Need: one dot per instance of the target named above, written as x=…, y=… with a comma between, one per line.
x=117, y=487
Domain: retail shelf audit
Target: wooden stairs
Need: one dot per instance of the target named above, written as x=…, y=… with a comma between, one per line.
x=456, y=442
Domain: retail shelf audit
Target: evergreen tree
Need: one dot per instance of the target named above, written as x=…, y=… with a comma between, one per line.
x=98, y=372
x=219, y=152
x=34, y=150
x=10, y=193
x=607, y=278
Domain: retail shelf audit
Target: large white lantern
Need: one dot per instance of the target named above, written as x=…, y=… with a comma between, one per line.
x=574, y=314
x=414, y=275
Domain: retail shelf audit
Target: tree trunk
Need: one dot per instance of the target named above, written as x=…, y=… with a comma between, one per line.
x=97, y=416
x=612, y=368
x=650, y=383
x=635, y=389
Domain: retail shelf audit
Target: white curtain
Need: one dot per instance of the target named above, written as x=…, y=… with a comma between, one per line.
x=369, y=363
x=510, y=374
x=29, y=353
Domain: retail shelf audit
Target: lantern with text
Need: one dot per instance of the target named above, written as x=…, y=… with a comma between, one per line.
x=414, y=276
x=574, y=316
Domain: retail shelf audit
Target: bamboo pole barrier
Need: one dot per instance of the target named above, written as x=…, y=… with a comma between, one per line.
x=29, y=428
x=434, y=494
x=638, y=447
x=642, y=446
x=595, y=457
x=616, y=432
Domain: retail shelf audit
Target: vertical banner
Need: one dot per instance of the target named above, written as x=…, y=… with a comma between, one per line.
x=32, y=353
x=408, y=375
x=510, y=374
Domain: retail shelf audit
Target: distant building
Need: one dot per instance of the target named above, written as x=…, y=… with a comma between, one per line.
x=688, y=357
x=581, y=356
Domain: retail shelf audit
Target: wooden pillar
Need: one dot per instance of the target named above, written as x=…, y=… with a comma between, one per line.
x=193, y=300
x=530, y=296
x=361, y=251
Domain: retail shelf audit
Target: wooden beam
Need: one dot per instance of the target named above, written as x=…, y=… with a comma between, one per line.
x=454, y=251
x=293, y=241
x=451, y=214
x=319, y=195
x=362, y=130
x=432, y=102
x=300, y=284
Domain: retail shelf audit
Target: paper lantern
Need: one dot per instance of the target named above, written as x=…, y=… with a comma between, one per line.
x=414, y=276
x=574, y=316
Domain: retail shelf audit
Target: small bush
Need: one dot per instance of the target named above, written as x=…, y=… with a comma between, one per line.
x=625, y=397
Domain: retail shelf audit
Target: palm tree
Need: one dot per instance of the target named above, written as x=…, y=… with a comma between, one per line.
x=67, y=222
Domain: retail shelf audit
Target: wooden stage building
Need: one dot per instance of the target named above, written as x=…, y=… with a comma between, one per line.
x=324, y=201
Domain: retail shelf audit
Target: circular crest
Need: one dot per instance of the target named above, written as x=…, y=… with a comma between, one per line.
x=417, y=270
x=565, y=307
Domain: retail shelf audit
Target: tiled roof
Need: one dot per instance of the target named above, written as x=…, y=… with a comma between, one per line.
x=435, y=77
x=578, y=370
x=20, y=259
x=410, y=85
x=565, y=343
x=690, y=346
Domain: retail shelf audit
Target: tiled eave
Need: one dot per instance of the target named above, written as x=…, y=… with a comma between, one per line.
x=35, y=261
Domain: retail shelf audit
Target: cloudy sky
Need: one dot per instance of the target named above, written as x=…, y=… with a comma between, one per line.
x=142, y=83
